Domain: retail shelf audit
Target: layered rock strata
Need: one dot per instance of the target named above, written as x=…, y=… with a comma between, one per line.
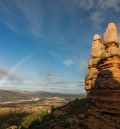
x=104, y=89
x=105, y=92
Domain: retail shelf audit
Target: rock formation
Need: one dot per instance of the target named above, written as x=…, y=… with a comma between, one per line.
x=105, y=92
x=97, y=50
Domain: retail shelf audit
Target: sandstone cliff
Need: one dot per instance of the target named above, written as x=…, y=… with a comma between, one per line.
x=105, y=92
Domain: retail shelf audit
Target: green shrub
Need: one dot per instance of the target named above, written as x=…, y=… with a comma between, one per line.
x=26, y=121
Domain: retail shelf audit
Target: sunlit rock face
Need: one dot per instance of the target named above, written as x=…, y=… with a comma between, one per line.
x=96, y=52
x=97, y=47
x=105, y=93
x=111, y=38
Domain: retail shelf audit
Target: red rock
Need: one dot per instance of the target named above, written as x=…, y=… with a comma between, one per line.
x=96, y=52
x=105, y=92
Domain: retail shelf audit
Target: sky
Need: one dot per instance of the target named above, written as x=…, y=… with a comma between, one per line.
x=45, y=44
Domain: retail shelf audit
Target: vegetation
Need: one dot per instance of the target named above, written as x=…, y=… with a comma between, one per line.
x=13, y=116
x=46, y=120
x=33, y=118
x=19, y=108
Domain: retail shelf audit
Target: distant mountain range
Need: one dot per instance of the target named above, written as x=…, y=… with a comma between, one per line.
x=11, y=95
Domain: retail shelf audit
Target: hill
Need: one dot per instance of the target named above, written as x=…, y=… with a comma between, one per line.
x=78, y=114
x=11, y=95
x=17, y=106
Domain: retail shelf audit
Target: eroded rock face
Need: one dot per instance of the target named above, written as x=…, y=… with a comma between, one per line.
x=97, y=47
x=91, y=76
x=96, y=52
x=111, y=35
x=105, y=92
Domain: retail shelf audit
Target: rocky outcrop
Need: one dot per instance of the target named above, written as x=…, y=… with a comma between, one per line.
x=105, y=93
x=97, y=50
x=111, y=36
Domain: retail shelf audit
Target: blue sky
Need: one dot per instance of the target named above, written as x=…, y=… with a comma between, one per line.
x=45, y=44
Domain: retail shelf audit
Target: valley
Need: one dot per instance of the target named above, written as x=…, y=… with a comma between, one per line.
x=17, y=105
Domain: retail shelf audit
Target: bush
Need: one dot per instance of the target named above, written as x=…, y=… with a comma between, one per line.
x=31, y=119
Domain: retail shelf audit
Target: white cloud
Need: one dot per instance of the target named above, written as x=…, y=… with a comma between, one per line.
x=68, y=62
x=109, y=4
x=48, y=84
x=97, y=19
x=100, y=11
x=98, y=4
x=48, y=78
x=86, y=4
x=33, y=14
x=8, y=75
x=58, y=87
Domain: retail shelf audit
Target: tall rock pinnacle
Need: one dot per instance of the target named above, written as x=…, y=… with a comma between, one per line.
x=111, y=35
x=96, y=51
x=105, y=91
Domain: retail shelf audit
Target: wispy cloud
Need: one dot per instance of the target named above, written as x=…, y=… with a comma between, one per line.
x=8, y=17
x=99, y=4
x=21, y=62
x=109, y=4
x=99, y=10
x=97, y=19
x=58, y=87
x=86, y=4
x=4, y=73
x=68, y=62
x=49, y=83
x=33, y=15
x=50, y=77
x=11, y=14
x=8, y=75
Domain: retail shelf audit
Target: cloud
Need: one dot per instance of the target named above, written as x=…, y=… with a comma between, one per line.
x=100, y=11
x=21, y=62
x=12, y=13
x=8, y=75
x=86, y=4
x=7, y=20
x=34, y=18
x=4, y=73
x=99, y=4
x=97, y=19
x=50, y=77
x=109, y=4
x=48, y=84
x=68, y=62
x=58, y=87
x=33, y=15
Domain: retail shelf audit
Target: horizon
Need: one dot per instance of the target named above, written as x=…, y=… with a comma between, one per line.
x=45, y=45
